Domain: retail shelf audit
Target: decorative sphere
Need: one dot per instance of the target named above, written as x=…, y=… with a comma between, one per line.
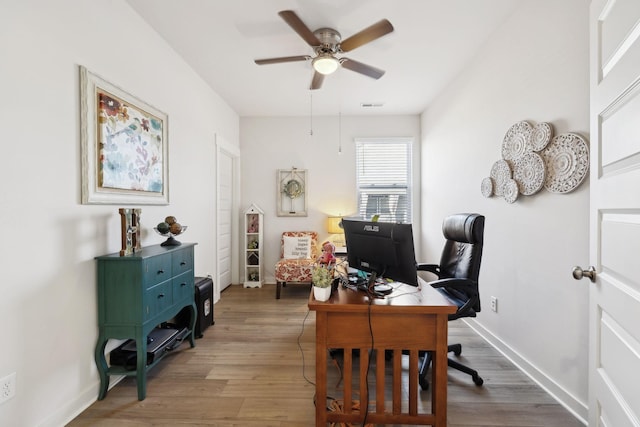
x=163, y=228
x=170, y=220
x=175, y=228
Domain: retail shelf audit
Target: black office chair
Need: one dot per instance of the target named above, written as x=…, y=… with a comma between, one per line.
x=458, y=278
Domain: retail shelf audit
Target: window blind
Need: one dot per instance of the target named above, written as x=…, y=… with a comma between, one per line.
x=384, y=179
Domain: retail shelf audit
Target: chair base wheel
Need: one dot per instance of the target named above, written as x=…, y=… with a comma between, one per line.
x=477, y=380
x=456, y=349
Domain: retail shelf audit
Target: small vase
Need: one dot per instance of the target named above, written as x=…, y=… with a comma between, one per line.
x=321, y=294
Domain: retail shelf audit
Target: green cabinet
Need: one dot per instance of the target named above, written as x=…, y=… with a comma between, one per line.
x=135, y=294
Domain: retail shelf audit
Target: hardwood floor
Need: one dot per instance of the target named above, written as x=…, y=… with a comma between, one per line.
x=249, y=370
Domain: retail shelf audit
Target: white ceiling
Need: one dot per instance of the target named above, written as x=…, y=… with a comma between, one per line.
x=431, y=42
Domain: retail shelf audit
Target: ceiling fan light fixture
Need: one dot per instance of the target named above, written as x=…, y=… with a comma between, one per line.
x=325, y=63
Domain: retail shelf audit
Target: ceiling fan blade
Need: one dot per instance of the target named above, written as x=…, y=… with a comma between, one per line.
x=317, y=80
x=361, y=68
x=299, y=27
x=370, y=33
x=282, y=59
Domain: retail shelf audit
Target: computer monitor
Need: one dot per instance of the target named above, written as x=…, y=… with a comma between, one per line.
x=381, y=248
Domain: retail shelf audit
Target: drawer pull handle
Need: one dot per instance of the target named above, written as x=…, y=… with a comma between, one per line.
x=160, y=296
x=183, y=284
x=160, y=271
x=183, y=263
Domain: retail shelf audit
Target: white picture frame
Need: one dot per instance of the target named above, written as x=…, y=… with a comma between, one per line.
x=124, y=146
x=291, y=188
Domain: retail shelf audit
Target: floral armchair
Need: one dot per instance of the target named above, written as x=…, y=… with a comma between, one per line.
x=298, y=253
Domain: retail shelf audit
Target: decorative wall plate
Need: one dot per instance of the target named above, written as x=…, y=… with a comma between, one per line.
x=516, y=141
x=529, y=173
x=500, y=173
x=566, y=159
x=541, y=135
x=487, y=187
x=510, y=191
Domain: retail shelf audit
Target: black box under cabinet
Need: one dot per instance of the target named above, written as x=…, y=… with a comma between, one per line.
x=204, y=306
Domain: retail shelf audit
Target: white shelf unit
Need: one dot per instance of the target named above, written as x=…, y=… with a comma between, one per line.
x=253, y=243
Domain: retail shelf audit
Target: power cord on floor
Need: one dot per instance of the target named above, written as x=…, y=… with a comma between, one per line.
x=330, y=400
x=302, y=351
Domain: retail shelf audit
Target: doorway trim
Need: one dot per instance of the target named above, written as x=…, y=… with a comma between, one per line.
x=222, y=146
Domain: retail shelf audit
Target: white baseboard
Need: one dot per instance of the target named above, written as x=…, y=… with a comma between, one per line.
x=65, y=414
x=579, y=409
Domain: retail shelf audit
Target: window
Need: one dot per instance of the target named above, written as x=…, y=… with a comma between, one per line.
x=384, y=179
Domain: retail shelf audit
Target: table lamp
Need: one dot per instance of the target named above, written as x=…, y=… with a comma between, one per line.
x=334, y=227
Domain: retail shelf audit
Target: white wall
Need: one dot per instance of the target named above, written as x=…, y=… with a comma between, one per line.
x=48, y=303
x=534, y=68
x=269, y=144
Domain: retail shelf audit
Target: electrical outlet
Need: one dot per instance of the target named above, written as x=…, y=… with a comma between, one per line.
x=7, y=387
x=494, y=304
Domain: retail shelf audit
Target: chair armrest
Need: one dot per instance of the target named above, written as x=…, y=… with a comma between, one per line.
x=466, y=285
x=465, y=310
x=431, y=268
x=468, y=302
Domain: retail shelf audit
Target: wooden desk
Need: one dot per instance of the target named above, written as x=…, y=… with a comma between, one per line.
x=409, y=319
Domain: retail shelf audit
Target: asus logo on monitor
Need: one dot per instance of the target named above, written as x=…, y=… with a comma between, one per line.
x=373, y=228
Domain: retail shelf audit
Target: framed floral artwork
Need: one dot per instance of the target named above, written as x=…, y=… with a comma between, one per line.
x=124, y=146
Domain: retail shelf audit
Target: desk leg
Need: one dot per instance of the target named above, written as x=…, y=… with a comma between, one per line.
x=321, y=369
x=101, y=364
x=439, y=382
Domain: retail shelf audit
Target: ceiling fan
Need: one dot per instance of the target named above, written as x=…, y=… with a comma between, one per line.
x=327, y=43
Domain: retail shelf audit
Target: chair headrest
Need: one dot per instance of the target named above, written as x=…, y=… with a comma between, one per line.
x=464, y=227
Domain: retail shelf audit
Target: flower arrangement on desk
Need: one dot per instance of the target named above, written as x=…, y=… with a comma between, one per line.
x=322, y=278
x=322, y=274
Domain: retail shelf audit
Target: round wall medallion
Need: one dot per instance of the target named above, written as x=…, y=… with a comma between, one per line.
x=510, y=191
x=566, y=159
x=487, y=187
x=528, y=171
x=540, y=136
x=516, y=141
x=500, y=173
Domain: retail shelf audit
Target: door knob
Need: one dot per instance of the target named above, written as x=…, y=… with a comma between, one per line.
x=579, y=273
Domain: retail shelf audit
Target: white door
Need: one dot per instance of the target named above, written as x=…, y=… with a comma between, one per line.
x=225, y=207
x=614, y=327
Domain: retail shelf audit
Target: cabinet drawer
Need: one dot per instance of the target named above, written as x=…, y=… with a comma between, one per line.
x=182, y=261
x=157, y=299
x=156, y=270
x=183, y=286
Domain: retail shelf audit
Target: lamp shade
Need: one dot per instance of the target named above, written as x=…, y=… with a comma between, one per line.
x=334, y=225
x=325, y=64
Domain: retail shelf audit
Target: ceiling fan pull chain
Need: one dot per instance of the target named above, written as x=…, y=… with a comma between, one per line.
x=311, y=114
x=340, y=132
